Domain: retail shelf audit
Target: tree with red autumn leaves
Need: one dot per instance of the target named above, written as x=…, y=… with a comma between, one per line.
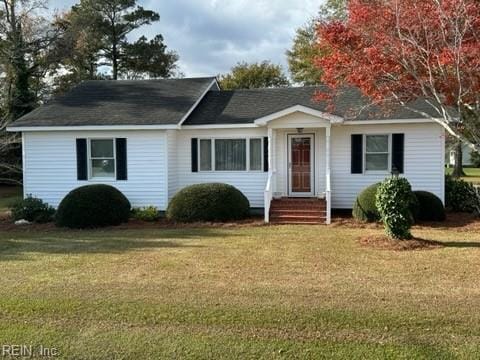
x=397, y=51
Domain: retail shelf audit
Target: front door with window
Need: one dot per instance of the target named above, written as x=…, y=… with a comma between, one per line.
x=301, y=165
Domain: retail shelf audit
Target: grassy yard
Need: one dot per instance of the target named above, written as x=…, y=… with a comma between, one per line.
x=243, y=292
x=8, y=195
x=471, y=174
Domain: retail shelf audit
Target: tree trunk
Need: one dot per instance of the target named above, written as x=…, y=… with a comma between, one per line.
x=115, y=61
x=458, y=166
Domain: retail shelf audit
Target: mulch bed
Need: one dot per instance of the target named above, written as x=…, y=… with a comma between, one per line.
x=6, y=224
x=383, y=242
x=462, y=222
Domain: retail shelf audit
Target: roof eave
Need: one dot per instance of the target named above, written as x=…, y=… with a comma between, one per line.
x=90, y=128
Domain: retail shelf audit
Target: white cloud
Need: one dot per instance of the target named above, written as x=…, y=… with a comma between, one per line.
x=211, y=36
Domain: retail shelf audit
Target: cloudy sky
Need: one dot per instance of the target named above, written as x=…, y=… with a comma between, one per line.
x=213, y=35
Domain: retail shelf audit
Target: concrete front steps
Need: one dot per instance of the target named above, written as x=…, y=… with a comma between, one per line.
x=298, y=211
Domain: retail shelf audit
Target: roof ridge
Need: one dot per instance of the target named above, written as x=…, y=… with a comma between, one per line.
x=286, y=88
x=147, y=80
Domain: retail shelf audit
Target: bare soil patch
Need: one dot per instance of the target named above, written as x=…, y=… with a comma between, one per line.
x=383, y=242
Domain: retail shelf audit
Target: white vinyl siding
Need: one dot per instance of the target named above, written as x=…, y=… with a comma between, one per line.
x=172, y=162
x=51, y=165
x=159, y=162
x=423, y=160
x=250, y=183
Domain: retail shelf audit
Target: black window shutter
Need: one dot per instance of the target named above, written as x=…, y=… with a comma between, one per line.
x=121, y=152
x=398, y=149
x=357, y=154
x=82, y=172
x=194, y=155
x=265, y=154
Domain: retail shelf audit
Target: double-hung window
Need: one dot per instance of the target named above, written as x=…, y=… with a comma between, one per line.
x=377, y=152
x=205, y=155
x=256, y=153
x=231, y=154
x=102, y=158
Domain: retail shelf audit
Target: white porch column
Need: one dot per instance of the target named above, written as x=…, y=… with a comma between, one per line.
x=273, y=169
x=270, y=150
x=268, y=193
x=328, y=188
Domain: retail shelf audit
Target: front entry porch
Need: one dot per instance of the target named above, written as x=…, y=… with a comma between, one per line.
x=298, y=188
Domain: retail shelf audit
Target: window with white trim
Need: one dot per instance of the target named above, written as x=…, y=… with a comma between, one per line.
x=102, y=158
x=256, y=153
x=233, y=154
x=205, y=155
x=377, y=152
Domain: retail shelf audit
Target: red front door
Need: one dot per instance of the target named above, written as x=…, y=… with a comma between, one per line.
x=301, y=166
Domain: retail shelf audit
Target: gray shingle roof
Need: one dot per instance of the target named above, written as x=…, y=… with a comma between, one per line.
x=244, y=106
x=124, y=102
x=166, y=102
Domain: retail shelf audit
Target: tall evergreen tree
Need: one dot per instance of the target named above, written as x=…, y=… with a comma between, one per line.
x=97, y=36
x=148, y=58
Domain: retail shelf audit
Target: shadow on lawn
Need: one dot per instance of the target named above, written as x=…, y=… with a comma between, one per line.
x=460, y=244
x=99, y=242
x=454, y=220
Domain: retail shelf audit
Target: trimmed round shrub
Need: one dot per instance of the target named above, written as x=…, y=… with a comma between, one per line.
x=208, y=202
x=393, y=200
x=430, y=207
x=93, y=206
x=364, y=208
x=32, y=209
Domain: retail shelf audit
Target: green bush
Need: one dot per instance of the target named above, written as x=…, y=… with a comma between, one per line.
x=208, y=202
x=364, y=208
x=430, y=207
x=33, y=210
x=460, y=196
x=475, y=158
x=149, y=213
x=393, y=200
x=93, y=206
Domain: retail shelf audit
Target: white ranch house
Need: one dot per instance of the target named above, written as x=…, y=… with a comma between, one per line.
x=151, y=138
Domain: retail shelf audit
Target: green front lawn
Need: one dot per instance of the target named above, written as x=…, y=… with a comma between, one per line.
x=244, y=292
x=471, y=174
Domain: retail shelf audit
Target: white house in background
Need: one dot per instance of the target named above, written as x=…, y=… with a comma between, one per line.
x=151, y=138
x=466, y=155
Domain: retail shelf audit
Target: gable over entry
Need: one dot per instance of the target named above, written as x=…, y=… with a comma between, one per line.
x=298, y=155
